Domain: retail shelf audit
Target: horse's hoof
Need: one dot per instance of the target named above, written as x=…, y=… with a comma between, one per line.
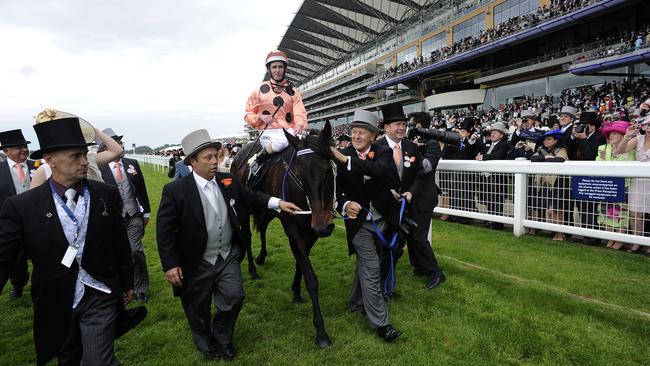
x=323, y=342
x=255, y=276
x=259, y=260
x=298, y=300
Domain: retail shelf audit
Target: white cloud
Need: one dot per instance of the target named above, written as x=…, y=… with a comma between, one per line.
x=152, y=70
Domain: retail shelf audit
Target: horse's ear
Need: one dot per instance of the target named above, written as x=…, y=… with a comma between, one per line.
x=326, y=132
x=293, y=140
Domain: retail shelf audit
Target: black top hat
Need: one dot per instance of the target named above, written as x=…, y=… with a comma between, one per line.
x=12, y=138
x=59, y=134
x=467, y=124
x=589, y=118
x=344, y=137
x=392, y=112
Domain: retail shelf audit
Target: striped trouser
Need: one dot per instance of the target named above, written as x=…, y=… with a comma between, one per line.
x=135, y=231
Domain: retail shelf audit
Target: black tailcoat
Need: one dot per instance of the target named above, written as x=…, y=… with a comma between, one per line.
x=136, y=180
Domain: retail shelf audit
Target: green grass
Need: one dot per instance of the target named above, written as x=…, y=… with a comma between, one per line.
x=507, y=301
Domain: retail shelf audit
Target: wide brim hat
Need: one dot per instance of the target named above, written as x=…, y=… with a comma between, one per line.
x=616, y=126
x=12, y=138
x=49, y=114
x=59, y=134
x=568, y=110
x=366, y=120
x=392, y=112
x=556, y=134
x=499, y=126
x=196, y=141
x=530, y=135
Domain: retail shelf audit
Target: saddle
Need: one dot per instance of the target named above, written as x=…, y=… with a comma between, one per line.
x=255, y=181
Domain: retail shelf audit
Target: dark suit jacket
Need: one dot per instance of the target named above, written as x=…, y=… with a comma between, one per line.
x=587, y=149
x=412, y=175
x=181, y=170
x=374, y=187
x=7, y=188
x=568, y=143
x=427, y=193
x=136, y=180
x=500, y=152
x=30, y=221
x=469, y=151
x=181, y=230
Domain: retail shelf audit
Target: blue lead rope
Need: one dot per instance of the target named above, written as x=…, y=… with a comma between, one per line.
x=389, y=286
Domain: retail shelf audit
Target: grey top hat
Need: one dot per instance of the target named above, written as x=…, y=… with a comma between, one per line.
x=365, y=119
x=568, y=110
x=498, y=126
x=109, y=131
x=196, y=141
x=527, y=114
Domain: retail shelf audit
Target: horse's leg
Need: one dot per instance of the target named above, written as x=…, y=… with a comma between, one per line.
x=295, y=286
x=300, y=248
x=263, y=253
x=248, y=243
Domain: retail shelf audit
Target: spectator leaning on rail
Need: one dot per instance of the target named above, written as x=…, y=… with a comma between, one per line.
x=495, y=185
x=639, y=196
x=265, y=110
x=614, y=216
x=524, y=149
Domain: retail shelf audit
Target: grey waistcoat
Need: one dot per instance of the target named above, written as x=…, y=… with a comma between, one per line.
x=218, y=228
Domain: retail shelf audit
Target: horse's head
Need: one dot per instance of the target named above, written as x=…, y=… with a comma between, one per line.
x=315, y=171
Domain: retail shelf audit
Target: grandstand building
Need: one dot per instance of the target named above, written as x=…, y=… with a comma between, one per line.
x=437, y=55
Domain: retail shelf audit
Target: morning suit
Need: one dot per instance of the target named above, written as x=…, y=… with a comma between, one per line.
x=202, y=235
x=494, y=186
x=587, y=150
x=364, y=181
x=32, y=222
x=10, y=186
x=135, y=203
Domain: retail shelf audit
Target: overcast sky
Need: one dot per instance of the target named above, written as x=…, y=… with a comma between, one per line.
x=153, y=70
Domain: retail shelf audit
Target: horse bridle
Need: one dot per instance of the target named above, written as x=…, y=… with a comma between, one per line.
x=298, y=182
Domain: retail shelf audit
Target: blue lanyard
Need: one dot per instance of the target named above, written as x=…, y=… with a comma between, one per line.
x=69, y=212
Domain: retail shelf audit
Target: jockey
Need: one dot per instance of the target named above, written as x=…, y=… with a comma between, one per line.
x=263, y=104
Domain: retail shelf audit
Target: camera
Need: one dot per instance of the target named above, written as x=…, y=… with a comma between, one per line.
x=449, y=137
x=580, y=128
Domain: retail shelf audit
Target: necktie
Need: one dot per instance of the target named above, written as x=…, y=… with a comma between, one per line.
x=362, y=156
x=70, y=194
x=20, y=172
x=119, y=177
x=397, y=155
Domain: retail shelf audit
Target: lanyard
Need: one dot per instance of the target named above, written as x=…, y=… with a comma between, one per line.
x=69, y=212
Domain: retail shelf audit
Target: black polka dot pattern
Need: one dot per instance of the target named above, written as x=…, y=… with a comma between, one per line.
x=288, y=117
x=265, y=88
x=266, y=113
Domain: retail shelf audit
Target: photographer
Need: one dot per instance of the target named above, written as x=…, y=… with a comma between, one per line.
x=587, y=139
x=424, y=201
x=495, y=185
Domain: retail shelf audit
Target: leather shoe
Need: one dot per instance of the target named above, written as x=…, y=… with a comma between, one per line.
x=435, y=280
x=388, y=333
x=591, y=241
x=15, y=293
x=212, y=355
x=227, y=351
x=142, y=297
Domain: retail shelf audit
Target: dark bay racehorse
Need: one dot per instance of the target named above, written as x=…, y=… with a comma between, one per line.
x=305, y=177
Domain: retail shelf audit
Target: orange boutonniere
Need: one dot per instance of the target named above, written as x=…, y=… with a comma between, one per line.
x=371, y=155
x=37, y=163
x=226, y=182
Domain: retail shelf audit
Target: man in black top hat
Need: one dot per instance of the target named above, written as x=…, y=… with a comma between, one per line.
x=343, y=141
x=587, y=139
x=15, y=177
x=72, y=231
x=405, y=165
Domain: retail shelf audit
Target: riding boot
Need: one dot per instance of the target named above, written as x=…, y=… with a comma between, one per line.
x=257, y=161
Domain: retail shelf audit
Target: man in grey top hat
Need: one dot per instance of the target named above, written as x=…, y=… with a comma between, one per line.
x=127, y=176
x=15, y=176
x=200, y=243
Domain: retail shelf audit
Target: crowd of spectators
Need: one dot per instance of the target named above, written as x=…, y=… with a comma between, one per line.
x=510, y=26
x=626, y=42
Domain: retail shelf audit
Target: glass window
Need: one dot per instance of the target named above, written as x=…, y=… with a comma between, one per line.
x=506, y=93
x=557, y=83
x=469, y=28
x=406, y=55
x=513, y=8
x=434, y=43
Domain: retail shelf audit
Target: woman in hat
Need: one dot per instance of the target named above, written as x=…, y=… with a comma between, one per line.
x=275, y=105
x=554, y=192
x=635, y=139
x=614, y=216
x=91, y=134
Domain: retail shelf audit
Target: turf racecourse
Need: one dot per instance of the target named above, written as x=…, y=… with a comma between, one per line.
x=507, y=301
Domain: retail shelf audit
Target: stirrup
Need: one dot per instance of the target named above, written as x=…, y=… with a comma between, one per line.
x=253, y=165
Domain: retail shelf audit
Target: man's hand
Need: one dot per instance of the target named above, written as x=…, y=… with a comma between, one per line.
x=175, y=276
x=479, y=156
x=397, y=196
x=265, y=118
x=580, y=136
x=127, y=297
x=338, y=155
x=352, y=209
x=408, y=196
x=145, y=221
x=289, y=207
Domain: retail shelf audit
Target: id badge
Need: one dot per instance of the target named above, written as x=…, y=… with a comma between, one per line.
x=69, y=256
